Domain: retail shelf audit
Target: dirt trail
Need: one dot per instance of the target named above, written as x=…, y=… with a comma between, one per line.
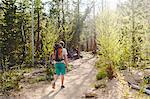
x=77, y=82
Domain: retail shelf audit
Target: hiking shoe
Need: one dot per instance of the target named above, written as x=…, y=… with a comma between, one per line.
x=62, y=86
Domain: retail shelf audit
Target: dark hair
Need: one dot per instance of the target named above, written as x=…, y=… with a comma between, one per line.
x=57, y=45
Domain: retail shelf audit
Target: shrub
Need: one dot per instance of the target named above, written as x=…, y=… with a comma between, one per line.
x=101, y=74
x=70, y=66
x=10, y=80
x=40, y=78
x=99, y=64
x=110, y=72
x=122, y=67
x=147, y=80
x=37, y=79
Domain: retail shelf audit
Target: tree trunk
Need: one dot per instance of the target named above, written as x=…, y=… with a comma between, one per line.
x=24, y=42
x=133, y=35
x=95, y=45
x=33, y=32
x=58, y=18
x=63, y=21
x=38, y=37
x=87, y=45
x=78, y=28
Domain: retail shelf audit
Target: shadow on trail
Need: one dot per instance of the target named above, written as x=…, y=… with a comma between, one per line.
x=77, y=88
x=84, y=61
x=76, y=79
x=53, y=96
x=47, y=96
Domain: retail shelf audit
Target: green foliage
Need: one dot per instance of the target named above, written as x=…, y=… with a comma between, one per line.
x=108, y=40
x=49, y=27
x=122, y=67
x=41, y=78
x=37, y=79
x=49, y=38
x=147, y=80
x=70, y=66
x=50, y=72
x=99, y=64
x=58, y=23
x=135, y=29
x=104, y=70
x=10, y=80
x=123, y=35
x=101, y=73
x=9, y=43
x=26, y=70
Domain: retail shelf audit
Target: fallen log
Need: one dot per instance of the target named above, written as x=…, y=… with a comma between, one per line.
x=134, y=86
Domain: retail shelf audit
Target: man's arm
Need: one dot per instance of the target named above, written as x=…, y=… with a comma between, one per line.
x=66, y=61
x=66, y=58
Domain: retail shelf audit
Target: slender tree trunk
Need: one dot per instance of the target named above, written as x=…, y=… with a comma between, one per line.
x=1, y=61
x=133, y=35
x=63, y=21
x=95, y=45
x=38, y=37
x=32, y=32
x=78, y=27
x=4, y=64
x=58, y=18
x=24, y=42
x=87, y=45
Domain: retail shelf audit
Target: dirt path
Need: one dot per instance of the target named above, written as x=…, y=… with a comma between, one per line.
x=77, y=82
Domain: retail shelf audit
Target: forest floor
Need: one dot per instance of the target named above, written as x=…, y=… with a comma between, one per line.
x=79, y=83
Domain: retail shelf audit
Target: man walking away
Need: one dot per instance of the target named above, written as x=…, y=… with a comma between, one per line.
x=61, y=62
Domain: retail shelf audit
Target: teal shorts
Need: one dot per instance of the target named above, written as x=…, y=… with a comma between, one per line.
x=60, y=69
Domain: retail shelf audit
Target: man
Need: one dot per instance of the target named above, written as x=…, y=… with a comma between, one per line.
x=61, y=62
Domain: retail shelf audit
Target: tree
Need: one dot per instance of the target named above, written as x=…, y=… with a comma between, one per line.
x=38, y=11
x=10, y=35
x=134, y=22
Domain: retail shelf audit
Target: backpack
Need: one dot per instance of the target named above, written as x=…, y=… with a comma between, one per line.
x=58, y=56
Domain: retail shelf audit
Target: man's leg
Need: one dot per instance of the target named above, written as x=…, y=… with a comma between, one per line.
x=62, y=81
x=63, y=72
x=56, y=75
x=55, y=79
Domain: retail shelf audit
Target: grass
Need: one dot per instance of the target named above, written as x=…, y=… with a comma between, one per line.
x=101, y=74
x=147, y=79
x=10, y=80
x=99, y=64
x=101, y=70
x=104, y=70
x=27, y=70
x=37, y=79
x=70, y=66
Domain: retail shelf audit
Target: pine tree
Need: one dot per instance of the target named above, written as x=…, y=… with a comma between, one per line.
x=9, y=32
